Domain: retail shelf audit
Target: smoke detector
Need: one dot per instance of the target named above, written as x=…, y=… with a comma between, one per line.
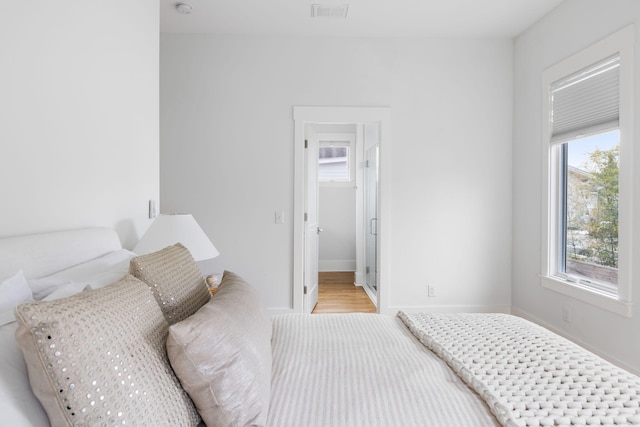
x=329, y=11
x=184, y=8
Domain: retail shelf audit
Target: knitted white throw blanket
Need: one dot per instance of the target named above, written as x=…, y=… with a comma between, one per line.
x=528, y=375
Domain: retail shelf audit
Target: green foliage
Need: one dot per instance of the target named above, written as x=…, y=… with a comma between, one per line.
x=603, y=221
x=592, y=210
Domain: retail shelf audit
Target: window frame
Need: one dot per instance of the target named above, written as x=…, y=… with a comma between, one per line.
x=622, y=43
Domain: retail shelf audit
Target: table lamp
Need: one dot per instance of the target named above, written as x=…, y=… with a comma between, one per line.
x=169, y=229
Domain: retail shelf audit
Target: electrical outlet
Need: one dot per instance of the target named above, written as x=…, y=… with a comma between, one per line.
x=566, y=314
x=431, y=291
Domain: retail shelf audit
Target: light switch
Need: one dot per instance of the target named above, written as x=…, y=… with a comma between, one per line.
x=152, y=209
x=280, y=217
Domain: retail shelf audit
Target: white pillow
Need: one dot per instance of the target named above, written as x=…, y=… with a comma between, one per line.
x=13, y=292
x=45, y=285
x=97, y=272
x=7, y=317
x=18, y=405
x=67, y=290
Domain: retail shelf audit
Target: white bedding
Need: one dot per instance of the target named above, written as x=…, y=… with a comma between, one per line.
x=96, y=273
x=328, y=370
x=363, y=370
x=18, y=406
x=527, y=375
x=43, y=254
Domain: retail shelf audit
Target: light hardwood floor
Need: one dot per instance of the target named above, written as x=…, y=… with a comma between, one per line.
x=338, y=294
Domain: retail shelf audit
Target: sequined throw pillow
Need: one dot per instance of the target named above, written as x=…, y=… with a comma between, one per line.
x=222, y=355
x=175, y=279
x=99, y=358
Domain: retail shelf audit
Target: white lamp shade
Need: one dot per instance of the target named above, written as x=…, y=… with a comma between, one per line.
x=168, y=230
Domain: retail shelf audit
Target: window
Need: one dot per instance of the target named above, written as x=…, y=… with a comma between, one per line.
x=334, y=161
x=589, y=222
x=586, y=243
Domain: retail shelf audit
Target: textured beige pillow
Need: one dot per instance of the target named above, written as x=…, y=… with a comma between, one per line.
x=175, y=279
x=99, y=358
x=222, y=355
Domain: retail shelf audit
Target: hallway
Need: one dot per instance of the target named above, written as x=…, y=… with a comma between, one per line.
x=337, y=294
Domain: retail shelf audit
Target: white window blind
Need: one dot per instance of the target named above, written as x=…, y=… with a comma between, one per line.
x=586, y=102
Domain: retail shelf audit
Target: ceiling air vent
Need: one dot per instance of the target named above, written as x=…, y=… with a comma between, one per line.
x=329, y=11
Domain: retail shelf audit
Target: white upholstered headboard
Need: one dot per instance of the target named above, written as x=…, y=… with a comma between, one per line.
x=39, y=255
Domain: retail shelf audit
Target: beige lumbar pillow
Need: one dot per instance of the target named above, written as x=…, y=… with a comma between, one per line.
x=175, y=279
x=99, y=358
x=222, y=355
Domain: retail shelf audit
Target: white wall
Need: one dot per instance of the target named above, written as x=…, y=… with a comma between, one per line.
x=78, y=115
x=551, y=40
x=337, y=217
x=227, y=153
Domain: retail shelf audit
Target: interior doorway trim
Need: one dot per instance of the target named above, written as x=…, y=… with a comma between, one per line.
x=305, y=115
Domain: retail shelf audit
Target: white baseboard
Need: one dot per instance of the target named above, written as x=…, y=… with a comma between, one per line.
x=358, y=279
x=336, y=265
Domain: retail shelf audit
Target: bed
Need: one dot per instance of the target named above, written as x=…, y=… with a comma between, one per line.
x=103, y=337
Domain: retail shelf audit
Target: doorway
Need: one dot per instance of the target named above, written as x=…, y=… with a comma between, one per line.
x=315, y=126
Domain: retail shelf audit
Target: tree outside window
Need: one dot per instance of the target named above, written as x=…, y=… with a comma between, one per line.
x=592, y=207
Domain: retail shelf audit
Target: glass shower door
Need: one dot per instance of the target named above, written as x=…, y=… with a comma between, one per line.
x=371, y=217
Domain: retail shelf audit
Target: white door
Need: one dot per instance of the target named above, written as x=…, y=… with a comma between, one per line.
x=311, y=228
x=304, y=238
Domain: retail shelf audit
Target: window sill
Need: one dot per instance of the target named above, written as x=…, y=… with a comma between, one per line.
x=614, y=305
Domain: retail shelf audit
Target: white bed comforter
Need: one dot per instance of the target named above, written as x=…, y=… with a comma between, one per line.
x=527, y=375
x=350, y=370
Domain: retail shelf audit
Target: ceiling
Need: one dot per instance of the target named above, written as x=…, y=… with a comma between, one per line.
x=365, y=18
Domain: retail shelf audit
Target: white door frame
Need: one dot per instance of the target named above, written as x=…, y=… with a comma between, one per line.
x=312, y=228
x=305, y=115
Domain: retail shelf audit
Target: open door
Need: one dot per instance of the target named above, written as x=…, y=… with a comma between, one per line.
x=371, y=220
x=304, y=295
x=311, y=228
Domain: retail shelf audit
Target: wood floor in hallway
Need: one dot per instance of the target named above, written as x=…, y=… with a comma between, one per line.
x=338, y=294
